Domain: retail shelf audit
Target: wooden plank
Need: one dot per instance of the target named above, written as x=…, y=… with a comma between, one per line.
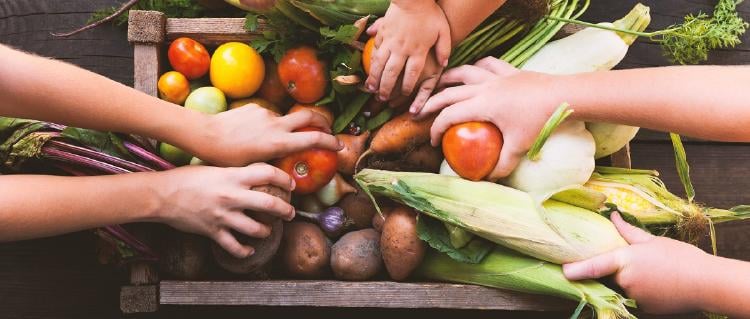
x=211, y=31
x=146, y=26
x=379, y=294
x=146, y=67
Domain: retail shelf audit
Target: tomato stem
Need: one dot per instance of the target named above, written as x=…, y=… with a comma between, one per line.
x=301, y=168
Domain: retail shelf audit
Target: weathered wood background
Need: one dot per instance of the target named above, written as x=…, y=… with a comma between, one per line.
x=60, y=278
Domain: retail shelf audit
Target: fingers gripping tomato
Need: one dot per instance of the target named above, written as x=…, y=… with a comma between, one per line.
x=303, y=74
x=189, y=57
x=472, y=149
x=311, y=169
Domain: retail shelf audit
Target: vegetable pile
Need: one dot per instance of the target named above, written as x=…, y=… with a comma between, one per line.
x=389, y=205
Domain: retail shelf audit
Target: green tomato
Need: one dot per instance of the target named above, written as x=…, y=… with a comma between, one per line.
x=174, y=155
x=209, y=100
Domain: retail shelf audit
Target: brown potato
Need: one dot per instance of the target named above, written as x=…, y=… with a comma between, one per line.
x=401, y=247
x=265, y=248
x=305, y=250
x=356, y=256
x=359, y=208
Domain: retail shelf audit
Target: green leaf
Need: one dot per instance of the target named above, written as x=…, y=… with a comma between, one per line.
x=436, y=235
x=683, y=169
x=553, y=122
x=350, y=112
x=377, y=121
x=261, y=44
x=18, y=140
x=251, y=22
x=105, y=142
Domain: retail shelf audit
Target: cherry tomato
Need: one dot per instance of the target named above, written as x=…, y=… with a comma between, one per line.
x=173, y=87
x=303, y=74
x=472, y=149
x=311, y=169
x=322, y=110
x=272, y=89
x=189, y=57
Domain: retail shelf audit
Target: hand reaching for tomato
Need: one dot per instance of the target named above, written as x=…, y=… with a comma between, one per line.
x=517, y=102
x=253, y=134
x=403, y=39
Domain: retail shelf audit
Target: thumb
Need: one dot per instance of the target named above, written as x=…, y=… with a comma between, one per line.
x=632, y=234
x=373, y=29
x=510, y=155
x=595, y=267
x=443, y=46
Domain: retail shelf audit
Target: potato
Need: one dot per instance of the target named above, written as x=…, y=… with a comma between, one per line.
x=181, y=255
x=305, y=250
x=359, y=208
x=265, y=248
x=356, y=256
x=401, y=247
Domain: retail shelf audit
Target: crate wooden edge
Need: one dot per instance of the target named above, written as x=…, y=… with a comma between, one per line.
x=148, y=31
x=372, y=294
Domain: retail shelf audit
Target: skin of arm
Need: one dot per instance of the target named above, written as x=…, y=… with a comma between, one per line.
x=44, y=89
x=204, y=200
x=647, y=271
x=700, y=101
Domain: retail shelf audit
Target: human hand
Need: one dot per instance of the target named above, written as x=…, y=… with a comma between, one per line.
x=252, y=134
x=403, y=39
x=663, y=275
x=211, y=201
x=519, y=103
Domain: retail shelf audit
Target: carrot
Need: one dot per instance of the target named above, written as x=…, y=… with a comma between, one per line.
x=354, y=146
x=401, y=133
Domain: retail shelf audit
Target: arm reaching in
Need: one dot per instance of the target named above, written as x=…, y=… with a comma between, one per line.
x=707, y=102
x=666, y=276
x=48, y=90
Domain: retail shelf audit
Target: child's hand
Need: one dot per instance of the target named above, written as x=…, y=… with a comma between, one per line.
x=517, y=102
x=403, y=38
x=663, y=275
x=253, y=134
x=210, y=201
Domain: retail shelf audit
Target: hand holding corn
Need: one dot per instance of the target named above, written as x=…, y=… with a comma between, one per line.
x=667, y=276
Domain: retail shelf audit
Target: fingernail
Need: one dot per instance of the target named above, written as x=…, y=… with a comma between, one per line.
x=371, y=88
x=250, y=251
x=382, y=97
x=444, y=63
x=291, y=215
x=294, y=184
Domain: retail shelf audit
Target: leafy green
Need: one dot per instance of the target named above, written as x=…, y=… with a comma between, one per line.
x=350, y=112
x=20, y=141
x=105, y=142
x=380, y=119
x=251, y=22
x=436, y=235
x=690, y=42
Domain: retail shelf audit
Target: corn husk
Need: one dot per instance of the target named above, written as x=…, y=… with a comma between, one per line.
x=550, y=229
x=505, y=269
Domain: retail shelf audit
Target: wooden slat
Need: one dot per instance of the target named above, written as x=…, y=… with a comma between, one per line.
x=211, y=31
x=377, y=294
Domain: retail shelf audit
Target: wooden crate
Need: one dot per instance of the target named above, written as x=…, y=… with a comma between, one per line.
x=149, y=31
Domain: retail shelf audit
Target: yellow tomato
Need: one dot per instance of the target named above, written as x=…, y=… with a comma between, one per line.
x=266, y=104
x=237, y=70
x=173, y=87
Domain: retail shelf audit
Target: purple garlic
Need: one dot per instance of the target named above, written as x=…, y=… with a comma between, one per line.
x=331, y=220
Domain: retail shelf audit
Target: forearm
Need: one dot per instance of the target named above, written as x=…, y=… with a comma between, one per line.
x=34, y=206
x=464, y=16
x=723, y=285
x=707, y=102
x=44, y=89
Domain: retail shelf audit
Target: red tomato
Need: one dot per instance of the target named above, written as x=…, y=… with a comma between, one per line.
x=303, y=74
x=322, y=110
x=272, y=89
x=189, y=57
x=472, y=149
x=311, y=169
